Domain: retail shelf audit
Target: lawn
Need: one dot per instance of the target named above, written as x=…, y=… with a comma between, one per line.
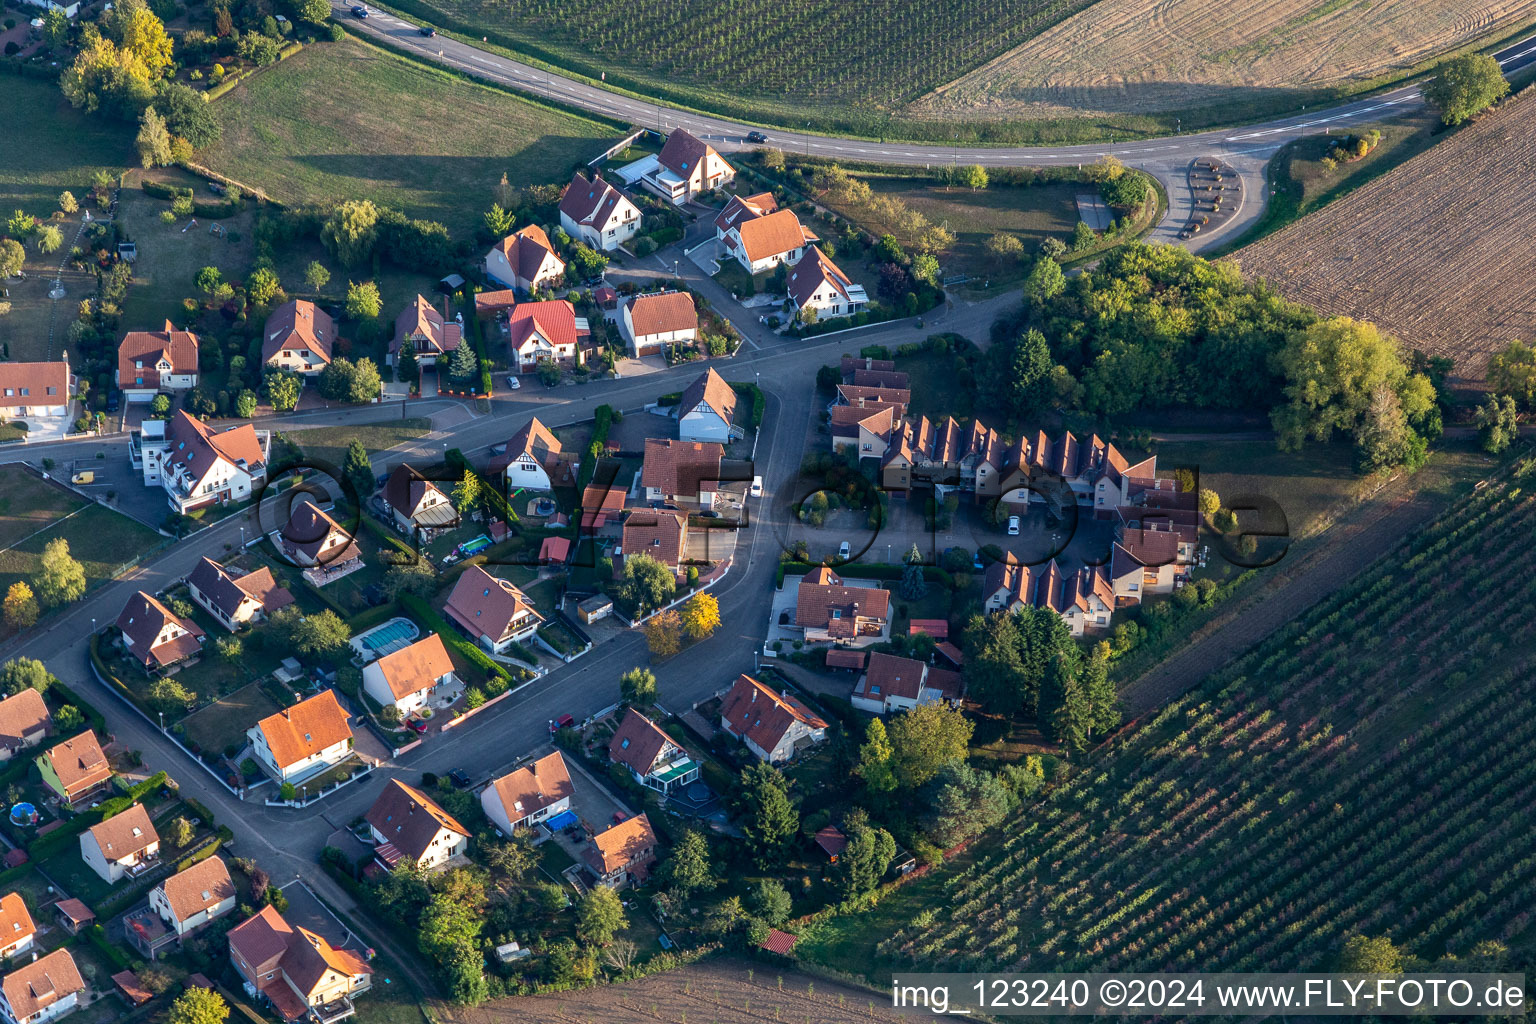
x=51, y=147
x=101, y=539
x=939, y=392
x=1033, y=213
x=219, y=725
x=330, y=443
x=28, y=503
x=170, y=257
x=349, y=121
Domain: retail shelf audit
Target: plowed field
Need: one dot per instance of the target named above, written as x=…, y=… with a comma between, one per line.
x=1150, y=56
x=1438, y=251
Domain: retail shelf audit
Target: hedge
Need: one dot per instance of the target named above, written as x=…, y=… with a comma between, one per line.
x=112, y=682
x=96, y=935
x=214, y=210
x=201, y=853
x=370, y=617
x=54, y=842
x=93, y=718
x=754, y=394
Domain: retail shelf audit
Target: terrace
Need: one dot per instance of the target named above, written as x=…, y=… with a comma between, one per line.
x=147, y=932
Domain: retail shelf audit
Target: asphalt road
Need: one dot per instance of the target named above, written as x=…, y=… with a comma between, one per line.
x=1247, y=148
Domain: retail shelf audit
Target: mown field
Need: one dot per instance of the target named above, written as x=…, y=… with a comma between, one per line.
x=350, y=121
x=1364, y=770
x=1436, y=251
x=1216, y=60
x=50, y=146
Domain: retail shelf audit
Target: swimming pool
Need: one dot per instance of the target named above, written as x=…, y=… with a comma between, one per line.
x=385, y=638
x=471, y=547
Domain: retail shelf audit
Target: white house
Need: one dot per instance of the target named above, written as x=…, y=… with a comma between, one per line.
x=235, y=599
x=125, y=844
x=890, y=683
x=298, y=337
x=16, y=926
x=651, y=321
x=817, y=284
x=685, y=167
x=706, y=410
x=304, y=740
x=409, y=825
x=407, y=677
x=597, y=213
x=190, y=899
x=417, y=503
x=524, y=260
x=43, y=990
x=149, y=362
x=533, y=460
x=36, y=391
x=761, y=243
x=532, y=794
x=546, y=331
x=199, y=466
x=317, y=543
x=154, y=636
x=651, y=756
x=491, y=611
x=774, y=726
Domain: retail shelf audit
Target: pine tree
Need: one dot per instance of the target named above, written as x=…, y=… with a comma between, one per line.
x=464, y=364
x=1099, y=691
x=406, y=369
x=1072, y=717
x=771, y=820
x=357, y=469
x=913, y=585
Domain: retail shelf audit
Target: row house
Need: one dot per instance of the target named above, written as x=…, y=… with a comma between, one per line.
x=1156, y=538
x=868, y=431
x=859, y=396
x=1084, y=599
x=299, y=337
x=149, y=362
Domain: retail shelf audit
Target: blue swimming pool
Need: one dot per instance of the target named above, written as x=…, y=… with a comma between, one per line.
x=386, y=638
x=471, y=547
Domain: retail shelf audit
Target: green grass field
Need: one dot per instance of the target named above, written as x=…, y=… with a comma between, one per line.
x=28, y=503
x=1033, y=213
x=52, y=147
x=330, y=443
x=350, y=121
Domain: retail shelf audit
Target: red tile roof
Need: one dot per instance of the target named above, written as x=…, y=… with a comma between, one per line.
x=22, y=715
x=15, y=923
x=299, y=325
x=531, y=789
x=125, y=834
x=415, y=668
x=622, y=844
x=776, y=234
x=599, y=504
x=755, y=712
x=409, y=820
x=841, y=657
x=821, y=594
x=710, y=390
x=590, y=202
x=34, y=384
x=484, y=604
x=79, y=763
x=832, y=841
x=683, y=468
x=526, y=249
x=200, y=887
x=197, y=447
x=179, y=348
x=662, y=313
x=745, y=208
x=33, y=987
x=309, y=528
x=662, y=535
x=144, y=621
x=815, y=269
x=936, y=628
x=307, y=728
x=779, y=942
x=422, y=320
x=638, y=742
x=554, y=320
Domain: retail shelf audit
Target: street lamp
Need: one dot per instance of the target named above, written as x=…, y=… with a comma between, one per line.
x=162, y=722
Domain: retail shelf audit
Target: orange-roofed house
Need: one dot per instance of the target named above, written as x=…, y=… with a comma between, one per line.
x=657, y=319
x=774, y=726
x=761, y=243
x=298, y=337
x=76, y=769
x=427, y=331
x=32, y=391
x=524, y=260
x=16, y=927
x=123, y=846
x=707, y=409
x=407, y=677
x=651, y=756
x=598, y=214
x=661, y=534
x=156, y=637
x=623, y=854
x=532, y=794
x=149, y=362
x=304, y=740
x=24, y=722
x=817, y=284
x=549, y=331
x=234, y=598
x=298, y=973
x=492, y=612
x=409, y=825
x=199, y=466
x=45, y=989
x=186, y=902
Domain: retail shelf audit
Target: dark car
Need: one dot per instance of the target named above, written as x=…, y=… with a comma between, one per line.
x=563, y=722
x=756, y=137
x=428, y=31
x=112, y=401
x=359, y=11
x=458, y=778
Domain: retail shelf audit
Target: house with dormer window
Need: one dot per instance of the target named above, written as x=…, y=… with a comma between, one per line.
x=530, y=795
x=534, y=460
x=597, y=213
x=149, y=362
x=655, y=761
x=492, y=612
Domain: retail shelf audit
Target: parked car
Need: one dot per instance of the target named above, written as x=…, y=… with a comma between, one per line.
x=513, y=383
x=85, y=476
x=842, y=551
x=359, y=11
x=1013, y=526
x=112, y=402
x=757, y=487
x=458, y=778
x=563, y=722
x=709, y=513
x=417, y=725
x=428, y=31
x=756, y=137
x=619, y=817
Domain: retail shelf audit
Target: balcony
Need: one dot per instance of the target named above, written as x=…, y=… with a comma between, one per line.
x=337, y=1009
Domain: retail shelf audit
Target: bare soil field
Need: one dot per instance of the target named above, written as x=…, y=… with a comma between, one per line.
x=1437, y=251
x=720, y=991
x=1152, y=56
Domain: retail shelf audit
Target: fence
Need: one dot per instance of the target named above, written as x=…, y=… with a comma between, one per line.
x=621, y=144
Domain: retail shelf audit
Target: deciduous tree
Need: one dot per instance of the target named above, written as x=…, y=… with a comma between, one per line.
x=770, y=820
x=664, y=634
x=876, y=759
x=701, y=616
x=925, y=739
x=638, y=686
x=864, y=861
x=1364, y=954
x=647, y=583
x=1464, y=86
x=316, y=276
x=599, y=916
x=1497, y=423
x=351, y=231
x=154, y=140
x=20, y=606
x=12, y=257
x=198, y=1005
x=283, y=389
x=363, y=300
x=60, y=578
x=1511, y=371
x=24, y=674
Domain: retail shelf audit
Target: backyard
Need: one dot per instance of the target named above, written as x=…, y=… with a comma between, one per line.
x=224, y=723
x=349, y=121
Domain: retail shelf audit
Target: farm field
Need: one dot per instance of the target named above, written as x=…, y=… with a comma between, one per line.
x=1446, y=271
x=1292, y=784
x=349, y=121
x=1216, y=61
x=722, y=990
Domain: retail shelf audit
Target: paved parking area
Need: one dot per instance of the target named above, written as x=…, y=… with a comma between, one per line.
x=116, y=476
x=306, y=910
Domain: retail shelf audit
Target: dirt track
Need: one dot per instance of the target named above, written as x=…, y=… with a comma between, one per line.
x=713, y=992
x=1437, y=251
x=1141, y=56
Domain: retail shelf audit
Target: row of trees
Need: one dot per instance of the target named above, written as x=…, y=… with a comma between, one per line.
x=60, y=580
